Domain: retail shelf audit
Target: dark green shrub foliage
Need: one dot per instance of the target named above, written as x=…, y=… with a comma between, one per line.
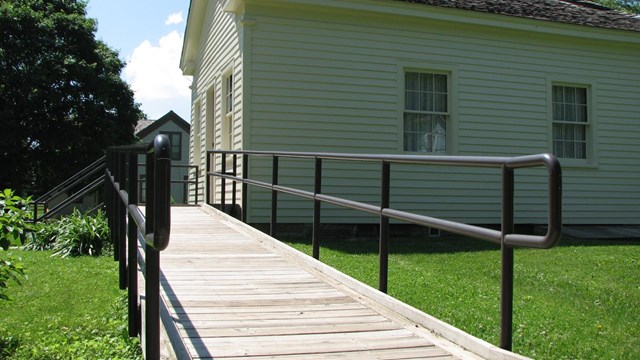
x=74, y=235
x=14, y=219
x=14, y=229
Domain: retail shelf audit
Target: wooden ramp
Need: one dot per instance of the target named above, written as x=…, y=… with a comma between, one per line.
x=234, y=293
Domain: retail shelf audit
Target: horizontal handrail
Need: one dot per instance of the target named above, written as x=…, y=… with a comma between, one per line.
x=89, y=170
x=95, y=184
x=554, y=190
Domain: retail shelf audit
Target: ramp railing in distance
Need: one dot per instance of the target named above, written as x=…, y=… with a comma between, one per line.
x=506, y=236
x=89, y=178
x=127, y=222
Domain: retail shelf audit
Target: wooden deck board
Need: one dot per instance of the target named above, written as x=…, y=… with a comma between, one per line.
x=231, y=297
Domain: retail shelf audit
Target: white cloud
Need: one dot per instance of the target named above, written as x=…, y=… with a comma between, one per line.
x=173, y=19
x=155, y=76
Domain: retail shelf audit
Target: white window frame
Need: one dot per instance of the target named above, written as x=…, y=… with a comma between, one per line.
x=227, y=101
x=447, y=114
x=589, y=131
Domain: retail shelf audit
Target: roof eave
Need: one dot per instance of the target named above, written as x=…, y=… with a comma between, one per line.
x=192, y=34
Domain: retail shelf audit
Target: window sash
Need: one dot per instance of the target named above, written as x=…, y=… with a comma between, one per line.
x=426, y=112
x=228, y=94
x=570, y=121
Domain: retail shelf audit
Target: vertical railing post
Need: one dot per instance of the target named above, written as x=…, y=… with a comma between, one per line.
x=198, y=181
x=223, y=182
x=152, y=303
x=108, y=189
x=152, y=269
x=245, y=186
x=384, y=227
x=317, y=206
x=506, y=284
x=234, y=183
x=122, y=219
x=132, y=249
x=274, y=198
x=207, y=179
x=116, y=207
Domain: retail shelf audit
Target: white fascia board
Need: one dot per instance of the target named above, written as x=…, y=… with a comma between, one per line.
x=192, y=34
x=463, y=17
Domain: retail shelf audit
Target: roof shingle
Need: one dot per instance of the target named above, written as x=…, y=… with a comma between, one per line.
x=574, y=12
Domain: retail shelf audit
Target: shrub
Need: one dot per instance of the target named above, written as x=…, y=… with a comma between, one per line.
x=73, y=235
x=15, y=219
x=14, y=229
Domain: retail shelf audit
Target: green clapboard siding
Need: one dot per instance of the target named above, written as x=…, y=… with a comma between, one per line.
x=321, y=79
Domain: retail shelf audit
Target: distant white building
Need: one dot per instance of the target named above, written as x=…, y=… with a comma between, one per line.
x=177, y=129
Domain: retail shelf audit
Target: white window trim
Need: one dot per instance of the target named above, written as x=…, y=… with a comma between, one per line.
x=591, y=160
x=452, y=125
x=227, y=117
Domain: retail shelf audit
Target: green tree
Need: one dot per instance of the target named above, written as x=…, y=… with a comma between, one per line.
x=628, y=6
x=62, y=100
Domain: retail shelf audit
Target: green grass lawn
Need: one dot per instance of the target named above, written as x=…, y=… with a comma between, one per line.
x=579, y=300
x=66, y=309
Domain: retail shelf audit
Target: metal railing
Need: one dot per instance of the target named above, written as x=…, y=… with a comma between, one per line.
x=192, y=178
x=90, y=178
x=127, y=222
x=506, y=236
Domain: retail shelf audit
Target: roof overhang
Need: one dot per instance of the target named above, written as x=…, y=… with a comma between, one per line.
x=192, y=34
x=198, y=8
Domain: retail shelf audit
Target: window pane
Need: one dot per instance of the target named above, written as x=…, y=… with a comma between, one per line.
x=557, y=94
x=558, y=112
x=581, y=96
x=581, y=113
x=440, y=102
x=411, y=81
x=569, y=104
x=569, y=112
x=581, y=150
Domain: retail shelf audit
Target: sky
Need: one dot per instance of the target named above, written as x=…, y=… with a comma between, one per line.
x=148, y=35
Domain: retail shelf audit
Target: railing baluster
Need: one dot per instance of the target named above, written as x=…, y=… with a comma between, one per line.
x=245, y=186
x=223, y=184
x=132, y=249
x=384, y=227
x=233, y=184
x=317, y=207
x=506, y=288
x=122, y=227
x=274, y=198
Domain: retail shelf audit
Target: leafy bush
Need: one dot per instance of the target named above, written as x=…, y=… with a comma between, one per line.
x=74, y=235
x=15, y=219
x=14, y=229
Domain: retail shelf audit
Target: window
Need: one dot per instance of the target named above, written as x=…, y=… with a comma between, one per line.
x=176, y=144
x=426, y=112
x=570, y=121
x=227, y=112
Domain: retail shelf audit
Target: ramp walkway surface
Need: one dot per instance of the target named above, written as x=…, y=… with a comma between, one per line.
x=231, y=292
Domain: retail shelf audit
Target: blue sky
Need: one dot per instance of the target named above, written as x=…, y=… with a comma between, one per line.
x=148, y=35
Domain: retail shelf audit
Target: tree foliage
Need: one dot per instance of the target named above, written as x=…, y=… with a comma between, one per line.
x=628, y=6
x=62, y=100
